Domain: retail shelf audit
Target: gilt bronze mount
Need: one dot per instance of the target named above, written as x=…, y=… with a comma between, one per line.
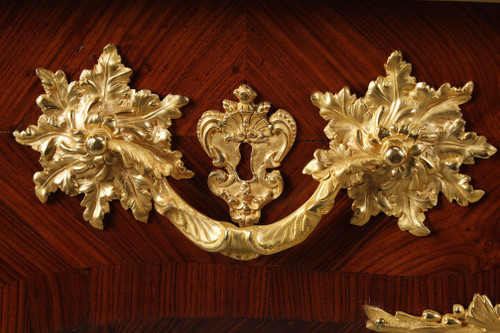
x=221, y=136
x=394, y=150
x=481, y=316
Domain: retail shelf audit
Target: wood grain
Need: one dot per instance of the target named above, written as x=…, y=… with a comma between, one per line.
x=230, y=325
x=103, y=295
x=57, y=273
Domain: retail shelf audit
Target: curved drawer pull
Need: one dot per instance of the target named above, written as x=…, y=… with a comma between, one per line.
x=394, y=150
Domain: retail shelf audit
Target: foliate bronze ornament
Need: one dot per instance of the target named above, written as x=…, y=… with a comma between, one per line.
x=394, y=150
x=100, y=138
x=481, y=316
x=245, y=122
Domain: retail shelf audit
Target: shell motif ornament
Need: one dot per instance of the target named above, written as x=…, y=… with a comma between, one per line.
x=245, y=122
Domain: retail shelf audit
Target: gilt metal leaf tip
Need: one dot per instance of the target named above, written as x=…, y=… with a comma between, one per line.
x=99, y=137
x=399, y=146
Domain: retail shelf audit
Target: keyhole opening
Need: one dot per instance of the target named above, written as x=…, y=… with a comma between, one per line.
x=243, y=168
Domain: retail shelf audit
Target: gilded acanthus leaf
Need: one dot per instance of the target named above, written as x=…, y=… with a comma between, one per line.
x=387, y=91
x=455, y=186
x=410, y=204
x=59, y=95
x=455, y=143
x=59, y=174
x=109, y=79
x=398, y=147
x=44, y=136
x=145, y=160
x=100, y=138
x=482, y=313
x=366, y=196
x=134, y=193
x=346, y=114
x=98, y=194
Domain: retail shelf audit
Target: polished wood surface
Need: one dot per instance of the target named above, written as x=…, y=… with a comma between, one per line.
x=58, y=273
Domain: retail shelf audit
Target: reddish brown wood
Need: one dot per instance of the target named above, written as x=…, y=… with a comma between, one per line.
x=155, y=291
x=58, y=273
x=229, y=325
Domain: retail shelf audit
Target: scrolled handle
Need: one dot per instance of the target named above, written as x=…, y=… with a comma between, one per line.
x=249, y=242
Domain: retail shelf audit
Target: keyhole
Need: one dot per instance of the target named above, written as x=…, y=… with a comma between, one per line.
x=243, y=168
